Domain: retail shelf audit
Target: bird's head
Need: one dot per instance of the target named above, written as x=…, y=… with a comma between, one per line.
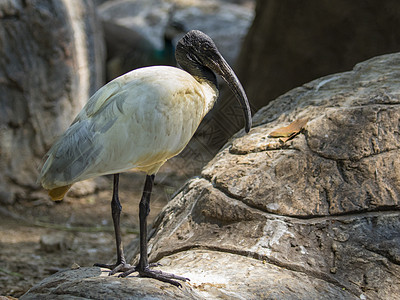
x=196, y=51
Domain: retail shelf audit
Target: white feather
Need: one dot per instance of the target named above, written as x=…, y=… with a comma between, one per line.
x=138, y=120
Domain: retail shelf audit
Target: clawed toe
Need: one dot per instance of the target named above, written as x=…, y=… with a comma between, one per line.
x=162, y=276
x=115, y=268
x=156, y=274
x=127, y=272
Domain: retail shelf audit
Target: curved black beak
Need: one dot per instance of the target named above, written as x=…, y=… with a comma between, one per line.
x=226, y=72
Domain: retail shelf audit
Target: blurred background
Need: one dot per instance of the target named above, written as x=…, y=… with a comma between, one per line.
x=55, y=54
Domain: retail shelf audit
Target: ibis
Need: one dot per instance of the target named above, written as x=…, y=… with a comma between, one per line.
x=139, y=121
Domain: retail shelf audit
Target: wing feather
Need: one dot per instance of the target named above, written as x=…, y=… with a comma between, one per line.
x=71, y=155
x=139, y=120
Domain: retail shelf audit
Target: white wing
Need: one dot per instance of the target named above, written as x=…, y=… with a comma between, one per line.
x=138, y=120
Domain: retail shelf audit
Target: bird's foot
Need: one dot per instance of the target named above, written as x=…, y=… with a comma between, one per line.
x=115, y=268
x=156, y=274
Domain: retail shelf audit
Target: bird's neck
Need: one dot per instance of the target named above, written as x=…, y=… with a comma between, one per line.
x=210, y=94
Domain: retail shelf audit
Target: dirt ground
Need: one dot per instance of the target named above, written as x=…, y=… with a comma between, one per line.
x=39, y=238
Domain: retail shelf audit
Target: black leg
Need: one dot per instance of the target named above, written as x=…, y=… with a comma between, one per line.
x=144, y=210
x=116, y=208
x=143, y=266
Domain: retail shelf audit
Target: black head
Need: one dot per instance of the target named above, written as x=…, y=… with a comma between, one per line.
x=199, y=49
x=197, y=54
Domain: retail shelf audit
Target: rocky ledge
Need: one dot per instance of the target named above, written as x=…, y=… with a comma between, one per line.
x=316, y=217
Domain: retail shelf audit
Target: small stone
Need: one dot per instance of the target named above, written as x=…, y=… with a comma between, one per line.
x=75, y=266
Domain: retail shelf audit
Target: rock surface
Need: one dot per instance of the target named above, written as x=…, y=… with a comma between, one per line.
x=50, y=63
x=315, y=218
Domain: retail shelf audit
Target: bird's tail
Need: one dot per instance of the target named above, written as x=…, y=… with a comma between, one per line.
x=58, y=193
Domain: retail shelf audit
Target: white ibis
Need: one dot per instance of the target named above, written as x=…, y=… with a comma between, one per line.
x=140, y=120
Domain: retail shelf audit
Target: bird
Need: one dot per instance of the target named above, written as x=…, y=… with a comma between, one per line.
x=139, y=121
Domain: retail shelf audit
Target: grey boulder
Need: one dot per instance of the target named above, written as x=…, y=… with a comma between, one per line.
x=316, y=217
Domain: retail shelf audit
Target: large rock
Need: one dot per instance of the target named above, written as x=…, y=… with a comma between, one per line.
x=51, y=55
x=315, y=218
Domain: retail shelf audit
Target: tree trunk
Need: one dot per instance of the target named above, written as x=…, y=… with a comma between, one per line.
x=293, y=42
